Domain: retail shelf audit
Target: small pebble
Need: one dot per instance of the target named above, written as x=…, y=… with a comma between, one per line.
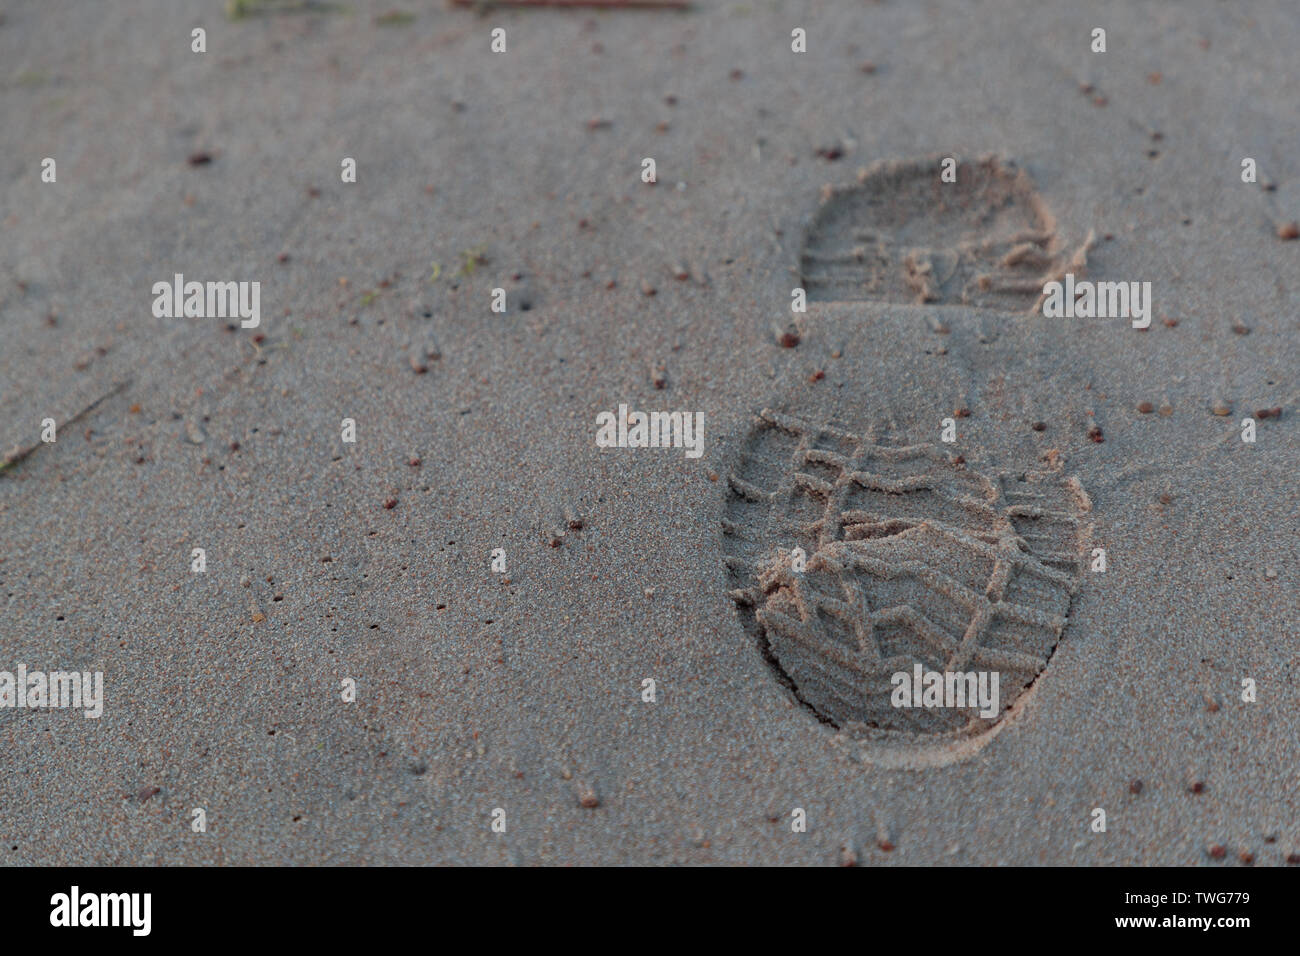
x=1135, y=787
x=1039, y=426
x=390, y=503
x=1146, y=408
x=884, y=839
x=1096, y=435
x=1289, y=230
x=1221, y=408
x=148, y=792
x=1218, y=852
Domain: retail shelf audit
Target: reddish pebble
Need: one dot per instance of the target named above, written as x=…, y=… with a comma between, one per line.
x=1095, y=434
x=1289, y=230
x=390, y=503
x=1218, y=852
x=1135, y=787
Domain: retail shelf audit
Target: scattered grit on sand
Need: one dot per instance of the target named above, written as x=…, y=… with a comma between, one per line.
x=522, y=690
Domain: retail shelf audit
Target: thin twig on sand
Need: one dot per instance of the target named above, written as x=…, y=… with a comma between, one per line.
x=18, y=453
x=601, y=4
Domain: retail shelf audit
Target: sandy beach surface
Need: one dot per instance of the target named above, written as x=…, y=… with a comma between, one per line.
x=524, y=690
